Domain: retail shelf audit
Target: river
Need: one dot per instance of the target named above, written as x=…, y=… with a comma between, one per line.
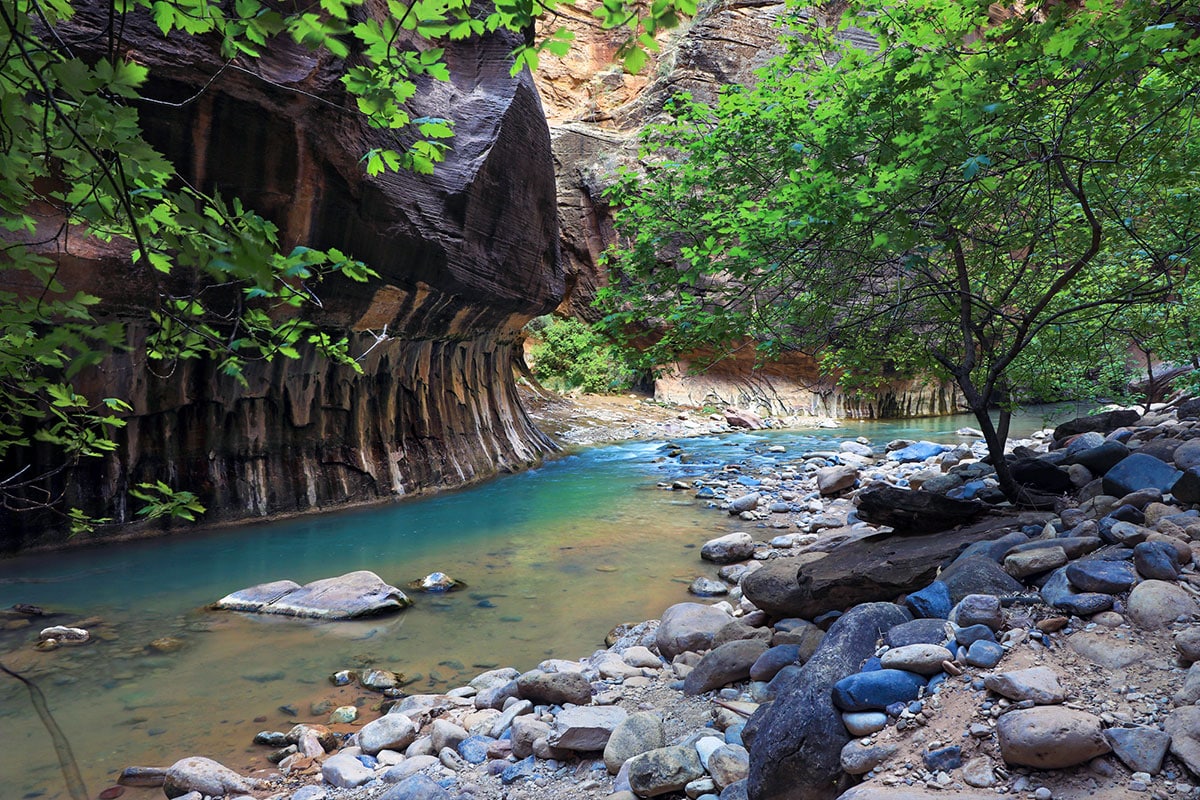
x=553, y=558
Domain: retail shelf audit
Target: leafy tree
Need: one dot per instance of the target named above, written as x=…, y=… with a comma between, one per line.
x=573, y=355
x=75, y=167
x=962, y=186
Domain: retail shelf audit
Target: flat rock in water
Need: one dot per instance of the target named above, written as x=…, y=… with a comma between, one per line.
x=349, y=596
x=914, y=512
x=728, y=548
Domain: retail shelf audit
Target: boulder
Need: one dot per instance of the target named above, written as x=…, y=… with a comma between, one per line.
x=1032, y=562
x=1041, y=475
x=919, y=631
x=1058, y=593
x=689, y=627
x=923, y=659
x=876, y=690
x=931, y=602
x=917, y=451
x=203, y=775
x=663, y=770
x=636, y=734
x=1187, y=488
x=1154, y=605
x=728, y=548
x=1140, y=471
x=913, y=512
x=389, y=732
x=836, y=479
x=728, y=764
x=555, y=688
x=1183, y=726
x=725, y=664
x=1140, y=749
x=861, y=570
x=416, y=787
x=1102, y=423
x=767, y=665
x=1107, y=577
x=1156, y=561
x=796, y=741
x=349, y=596
x=1037, y=684
x=978, y=575
x=585, y=728
x=1187, y=455
x=345, y=771
x=1099, y=459
x=1050, y=737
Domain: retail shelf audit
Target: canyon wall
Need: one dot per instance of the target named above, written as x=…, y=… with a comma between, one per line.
x=596, y=113
x=465, y=258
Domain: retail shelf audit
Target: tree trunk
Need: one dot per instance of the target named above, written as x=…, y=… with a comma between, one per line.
x=994, y=439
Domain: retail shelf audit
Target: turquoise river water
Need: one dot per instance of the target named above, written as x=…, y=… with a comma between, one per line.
x=553, y=558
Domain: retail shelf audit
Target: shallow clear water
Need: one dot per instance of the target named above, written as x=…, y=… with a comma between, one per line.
x=553, y=558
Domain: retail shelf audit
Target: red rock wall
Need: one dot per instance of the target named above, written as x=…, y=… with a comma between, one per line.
x=465, y=256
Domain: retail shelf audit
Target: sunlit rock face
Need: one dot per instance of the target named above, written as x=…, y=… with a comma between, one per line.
x=596, y=113
x=465, y=258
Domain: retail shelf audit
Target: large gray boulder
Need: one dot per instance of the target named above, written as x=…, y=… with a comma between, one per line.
x=349, y=596
x=914, y=512
x=796, y=742
x=689, y=626
x=725, y=664
x=866, y=568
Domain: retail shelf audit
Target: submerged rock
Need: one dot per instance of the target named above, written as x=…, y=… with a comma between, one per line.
x=349, y=596
x=436, y=582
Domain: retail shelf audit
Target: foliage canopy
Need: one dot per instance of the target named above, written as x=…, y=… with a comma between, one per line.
x=75, y=167
x=951, y=188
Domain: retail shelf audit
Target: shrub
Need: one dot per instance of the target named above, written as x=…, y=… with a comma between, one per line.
x=569, y=354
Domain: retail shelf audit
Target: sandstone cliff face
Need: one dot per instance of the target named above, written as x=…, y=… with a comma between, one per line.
x=594, y=129
x=465, y=256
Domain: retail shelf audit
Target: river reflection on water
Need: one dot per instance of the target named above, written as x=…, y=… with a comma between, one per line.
x=553, y=558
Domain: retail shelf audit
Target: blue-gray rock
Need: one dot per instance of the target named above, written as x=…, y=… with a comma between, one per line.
x=1106, y=577
x=1140, y=471
x=416, y=787
x=995, y=549
x=868, y=691
x=917, y=451
x=722, y=665
x=474, y=749
x=496, y=696
x=1183, y=726
x=1156, y=561
x=521, y=769
x=1058, y=593
x=944, y=758
x=663, y=770
x=1126, y=513
x=974, y=633
x=932, y=602
x=984, y=654
x=864, y=723
x=1082, y=442
x=1187, y=488
x=310, y=792
x=1073, y=546
x=1099, y=459
x=1140, y=749
x=919, y=631
x=795, y=741
x=978, y=575
x=735, y=791
x=767, y=665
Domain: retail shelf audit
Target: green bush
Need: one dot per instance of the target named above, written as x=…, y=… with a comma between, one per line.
x=568, y=354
